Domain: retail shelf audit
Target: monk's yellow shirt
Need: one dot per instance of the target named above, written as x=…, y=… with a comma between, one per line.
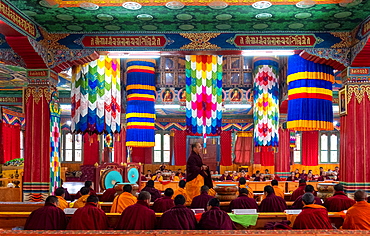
x=358, y=217
x=160, y=178
x=250, y=190
x=278, y=192
x=122, y=201
x=181, y=191
x=81, y=201
x=63, y=204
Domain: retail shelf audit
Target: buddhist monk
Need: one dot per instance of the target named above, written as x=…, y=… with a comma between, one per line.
x=181, y=190
x=312, y=216
x=109, y=194
x=358, y=216
x=196, y=172
x=157, y=177
x=292, y=177
x=165, y=203
x=323, y=176
x=89, y=217
x=339, y=201
x=123, y=200
x=272, y=203
x=243, y=201
x=178, y=217
x=60, y=194
x=226, y=176
x=67, y=196
x=201, y=201
x=155, y=193
x=138, y=216
x=84, y=191
x=48, y=217
x=243, y=184
x=215, y=218
x=299, y=191
x=149, y=175
x=88, y=184
x=298, y=204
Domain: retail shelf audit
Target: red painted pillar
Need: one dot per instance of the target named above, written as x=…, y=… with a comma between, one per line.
x=282, y=157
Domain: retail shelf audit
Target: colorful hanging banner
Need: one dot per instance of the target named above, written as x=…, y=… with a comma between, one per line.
x=140, y=112
x=293, y=138
x=54, y=142
x=310, y=95
x=266, y=101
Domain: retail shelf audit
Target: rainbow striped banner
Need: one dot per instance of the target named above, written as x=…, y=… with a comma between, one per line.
x=140, y=112
x=203, y=93
x=310, y=95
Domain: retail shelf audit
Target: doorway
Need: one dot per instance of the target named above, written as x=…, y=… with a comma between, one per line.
x=211, y=156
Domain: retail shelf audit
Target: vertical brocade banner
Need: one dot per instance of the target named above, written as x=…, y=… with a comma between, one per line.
x=266, y=102
x=203, y=94
x=54, y=142
x=310, y=95
x=140, y=112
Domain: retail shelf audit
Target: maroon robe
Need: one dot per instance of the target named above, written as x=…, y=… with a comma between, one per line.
x=143, y=178
x=243, y=202
x=48, y=217
x=223, y=178
x=291, y=179
x=303, y=176
x=273, y=203
x=178, y=218
x=338, y=202
x=89, y=217
x=216, y=219
x=163, y=204
x=298, y=192
x=137, y=217
x=108, y=195
x=298, y=204
x=322, y=178
x=155, y=193
x=201, y=201
x=92, y=192
x=313, y=217
x=194, y=167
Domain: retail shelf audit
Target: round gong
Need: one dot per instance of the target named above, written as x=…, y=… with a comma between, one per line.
x=109, y=178
x=133, y=175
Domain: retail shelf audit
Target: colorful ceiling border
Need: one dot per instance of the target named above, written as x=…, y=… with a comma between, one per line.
x=225, y=126
x=12, y=118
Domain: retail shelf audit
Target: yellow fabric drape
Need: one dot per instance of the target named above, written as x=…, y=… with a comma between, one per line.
x=193, y=187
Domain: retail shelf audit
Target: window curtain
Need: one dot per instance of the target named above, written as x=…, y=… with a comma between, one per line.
x=141, y=154
x=120, y=147
x=265, y=156
x=243, y=149
x=226, y=141
x=10, y=142
x=180, y=147
x=91, y=149
x=310, y=148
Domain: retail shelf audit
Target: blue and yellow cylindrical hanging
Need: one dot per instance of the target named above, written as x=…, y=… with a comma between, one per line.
x=310, y=94
x=140, y=112
x=266, y=101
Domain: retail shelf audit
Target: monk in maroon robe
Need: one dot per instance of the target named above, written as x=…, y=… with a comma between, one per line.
x=109, y=194
x=155, y=193
x=312, y=216
x=292, y=177
x=226, y=176
x=339, y=201
x=165, y=203
x=243, y=201
x=202, y=200
x=215, y=218
x=138, y=216
x=299, y=191
x=88, y=184
x=298, y=204
x=178, y=217
x=89, y=217
x=272, y=203
x=48, y=217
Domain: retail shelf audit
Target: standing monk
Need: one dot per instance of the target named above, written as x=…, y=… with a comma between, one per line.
x=358, y=216
x=197, y=173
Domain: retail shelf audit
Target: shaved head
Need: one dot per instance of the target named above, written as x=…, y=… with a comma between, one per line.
x=360, y=195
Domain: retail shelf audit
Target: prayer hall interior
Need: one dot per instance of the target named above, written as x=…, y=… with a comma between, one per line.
x=118, y=107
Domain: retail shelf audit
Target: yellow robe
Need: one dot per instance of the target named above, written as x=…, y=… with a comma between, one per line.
x=122, y=201
x=181, y=191
x=278, y=192
x=250, y=190
x=176, y=178
x=159, y=179
x=63, y=204
x=358, y=217
x=193, y=187
x=81, y=201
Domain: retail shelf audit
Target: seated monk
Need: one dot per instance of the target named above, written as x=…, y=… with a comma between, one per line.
x=175, y=176
x=323, y=176
x=155, y=193
x=60, y=194
x=48, y=217
x=109, y=194
x=243, y=201
x=243, y=184
x=142, y=177
x=88, y=184
x=299, y=191
x=298, y=204
x=226, y=176
x=272, y=203
x=292, y=177
x=215, y=218
x=164, y=203
x=66, y=193
x=122, y=201
x=278, y=192
x=178, y=217
x=358, y=216
x=138, y=216
x=84, y=191
x=157, y=177
x=181, y=190
x=201, y=200
x=312, y=216
x=89, y=217
x=303, y=175
x=339, y=201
